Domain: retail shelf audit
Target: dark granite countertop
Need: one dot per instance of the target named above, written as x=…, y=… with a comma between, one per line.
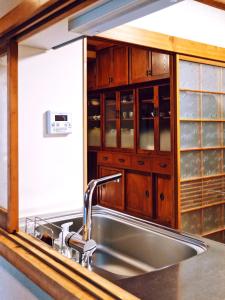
x=201, y=277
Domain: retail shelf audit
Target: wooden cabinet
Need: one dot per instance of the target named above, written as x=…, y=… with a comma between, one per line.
x=164, y=199
x=119, y=119
x=91, y=75
x=112, y=67
x=140, y=64
x=112, y=193
x=153, y=118
x=146, y=65
x=160, y=64
x=139, y=194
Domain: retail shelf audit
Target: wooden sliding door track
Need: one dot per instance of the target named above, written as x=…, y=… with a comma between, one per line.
x=57, y=275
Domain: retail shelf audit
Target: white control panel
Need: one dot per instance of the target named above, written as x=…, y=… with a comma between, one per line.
x=58, y=123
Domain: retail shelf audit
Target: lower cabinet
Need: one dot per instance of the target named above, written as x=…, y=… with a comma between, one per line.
x=164, y=199
x=112, y=193
x=139, y=193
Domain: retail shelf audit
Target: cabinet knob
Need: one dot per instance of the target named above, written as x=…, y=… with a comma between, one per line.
x=161, y=196
x=147, y=73
x=122, y=160
x=112, y=79
x=147, y=194
x=163, y=165
x=140, y=162
x=105, y=158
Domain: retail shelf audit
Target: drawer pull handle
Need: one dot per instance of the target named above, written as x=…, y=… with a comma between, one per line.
x=163, y=165
x=122, y=160
x=140, y=162
x=105, y=158
x=147, y=194
x=161, y=196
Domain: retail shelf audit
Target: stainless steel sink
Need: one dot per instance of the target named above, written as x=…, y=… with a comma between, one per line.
x=127, y=246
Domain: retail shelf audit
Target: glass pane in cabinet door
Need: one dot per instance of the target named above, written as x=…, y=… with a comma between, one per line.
x=212, y=218
x=94, y=121
x=110, y=120
x=146, y=119
x=127, y=119
x=164, y=118
x=3, y=133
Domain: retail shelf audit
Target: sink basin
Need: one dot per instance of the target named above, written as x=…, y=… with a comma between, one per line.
x=127, y=246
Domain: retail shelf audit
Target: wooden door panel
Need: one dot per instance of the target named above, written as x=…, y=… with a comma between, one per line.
x=160, y=64
x=139, y=64
x=139, y=193
x=164, y=199
x=120, y=66
x=103, y=68
x=91, y=75
x=112, y=193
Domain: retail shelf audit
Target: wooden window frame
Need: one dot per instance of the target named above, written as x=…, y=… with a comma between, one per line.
x=9, y=217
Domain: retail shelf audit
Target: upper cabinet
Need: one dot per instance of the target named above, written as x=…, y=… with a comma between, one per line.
x=123, y=65
x=140, y=65
x=160, y=64
x=112, y=67
x=146, y=65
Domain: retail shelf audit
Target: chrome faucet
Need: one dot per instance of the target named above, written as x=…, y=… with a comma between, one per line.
x=84, y=244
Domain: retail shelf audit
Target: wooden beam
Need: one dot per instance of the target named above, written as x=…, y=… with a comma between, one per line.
x=129, y=34
x=214, y=3
x=32, y=16
x=13, y=213
x=24, y=11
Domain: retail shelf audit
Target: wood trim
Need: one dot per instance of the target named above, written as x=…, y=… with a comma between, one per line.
x=202, y=92
x=177, y=151
x=214, y=3
x=12, y=220
x=3, y=218
x=85, y=115
x=41, y=17
x=165, y=42
x=22, y=12
x=60, y=277
x=202, y=207
x=202, y=60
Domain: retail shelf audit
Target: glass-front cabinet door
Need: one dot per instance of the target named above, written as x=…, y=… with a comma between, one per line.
x=94, y=120
x=164, y=118
x=146, y=114
x=127, y=116
x=110, y=120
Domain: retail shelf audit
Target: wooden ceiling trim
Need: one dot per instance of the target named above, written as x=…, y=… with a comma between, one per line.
x=33, y=19
x=129, y=34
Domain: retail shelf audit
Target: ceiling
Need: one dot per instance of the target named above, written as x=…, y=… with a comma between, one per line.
x=7, y=5
x=187, y=19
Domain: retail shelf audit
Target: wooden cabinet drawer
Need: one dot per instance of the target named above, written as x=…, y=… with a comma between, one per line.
x=122, y=160
x=141, y=163
x=104, y=157
x=161, y=165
